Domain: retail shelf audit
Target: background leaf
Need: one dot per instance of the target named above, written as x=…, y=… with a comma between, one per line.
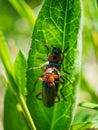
x=83, y=126
x=15, y=84
x=89, y=89
x=7, y=62
x=5, y=55
x=89, y=105
x=84, y=116
x=20, y=72
x=13, y=119
x=57, y=26
x=24, y=10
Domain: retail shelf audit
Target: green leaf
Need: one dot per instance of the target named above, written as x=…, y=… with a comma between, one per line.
x=89, y=89
x=7, y=62
x=13, y=119
x=15, y=84
x=57, y=26
x=24, y=10
x=5, y=54
x=89, y=105
x=82, y=116
x=86, y=115
x=20, y=72
x=83, y=126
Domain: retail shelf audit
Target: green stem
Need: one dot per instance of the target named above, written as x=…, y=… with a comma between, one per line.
x=13, y=85
x=24, y=10
x=27, y=113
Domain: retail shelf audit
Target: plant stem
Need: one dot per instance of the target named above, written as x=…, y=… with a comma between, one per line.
x=26, y=112
x=24, y=10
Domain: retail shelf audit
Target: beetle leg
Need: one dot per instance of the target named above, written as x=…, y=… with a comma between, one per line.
x=57, y=82
x=63, y=78
x=37, y=96
x=62, y=94
x=33, y=88
x=65, y=71
x=48, y=50
x=64, y=56
x=46, y=45
x=57, y=97
x=41, y=59
x=61, y=90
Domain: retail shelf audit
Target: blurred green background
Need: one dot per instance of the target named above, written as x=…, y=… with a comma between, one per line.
x=17, y=29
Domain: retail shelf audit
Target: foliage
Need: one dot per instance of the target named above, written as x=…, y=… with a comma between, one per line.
x=24, y=10
x=52, y=31
x=16, y=82
x=55, y=27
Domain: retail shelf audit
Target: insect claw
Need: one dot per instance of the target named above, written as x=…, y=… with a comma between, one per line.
x=57, y=97
x=37, y=96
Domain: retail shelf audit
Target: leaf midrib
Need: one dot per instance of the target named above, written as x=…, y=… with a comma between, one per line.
x=55, y=108
x=64, y=32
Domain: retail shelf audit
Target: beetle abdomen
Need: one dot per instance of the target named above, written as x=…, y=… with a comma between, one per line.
x=48, y=94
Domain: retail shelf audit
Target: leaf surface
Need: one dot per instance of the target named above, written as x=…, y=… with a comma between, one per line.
x=13, y=119
x=85, y=117
x=5, y=55
x=7, y=62
x=83, y=126
x=57, y=26
x=20, y=70
x=89, y=105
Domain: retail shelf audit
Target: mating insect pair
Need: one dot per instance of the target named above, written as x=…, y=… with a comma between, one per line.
x=50, y=84
x=51, y=79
